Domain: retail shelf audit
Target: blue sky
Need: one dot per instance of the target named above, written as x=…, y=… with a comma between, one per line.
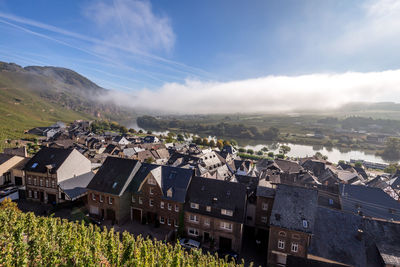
x=157, y=48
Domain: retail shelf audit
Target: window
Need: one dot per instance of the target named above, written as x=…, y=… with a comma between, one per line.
x=101, y=198
x=208, y=208
x=110, y=200
x=207, y=222
x=282, y=233
x=151, y=181
x=169, y=206
x=151, y=202
x=35, y=194
x=305, y=224
x=169, y=192
x=296, y=236
x=41, y=182
x=193, y=231
x=162, y=221
x=140, y=200
x=295, y=247
x=264, y=206
x=194, y=205
x=29, y=180
x=133, y=199
x=169, y=221
x=151, y=191
x=226, y=212
x=281, y=244
x=226, y=226
x=53, y=183
x=176, y=208
x=30, y=193
x=330, y=201
x=162, y=204
x=34, y=181
x=47, y=183
x=93, y=197
x=176, y=223
x=264, y=219
x=193, y=218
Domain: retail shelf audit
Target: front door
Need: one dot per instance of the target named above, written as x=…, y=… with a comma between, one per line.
x=136, y=215
x=18, y=180
x=41, y=196
x=110, y=215
x=206, y=236
x=225, y=243
x=51, y=198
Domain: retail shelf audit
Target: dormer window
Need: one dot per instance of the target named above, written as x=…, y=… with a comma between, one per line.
x=101, y=198
x=93, y=197
x=226, y=212
x=169, y=192
x=110, y=200
x=151, y=181
x=194, y=205
x=208, y=208
x=151, y=191
x=330, y=201
x=305, y=224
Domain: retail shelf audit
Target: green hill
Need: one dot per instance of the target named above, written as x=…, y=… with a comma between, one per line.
x=39, y=96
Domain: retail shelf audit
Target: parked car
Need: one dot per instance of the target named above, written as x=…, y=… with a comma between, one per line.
x=231, y=255
x=7, y=191
x=189, y=243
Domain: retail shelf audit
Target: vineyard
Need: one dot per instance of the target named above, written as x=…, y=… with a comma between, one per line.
x=28, y=240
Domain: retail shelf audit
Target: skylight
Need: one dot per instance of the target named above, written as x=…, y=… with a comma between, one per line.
x=34, y=165
x=305, y=224
x=114, y=185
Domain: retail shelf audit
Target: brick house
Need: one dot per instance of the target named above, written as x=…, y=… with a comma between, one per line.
x=108, y=197
x=291, y=223
x=215, y=212
x=49, y=167
x=158, y=194
x=265, y=199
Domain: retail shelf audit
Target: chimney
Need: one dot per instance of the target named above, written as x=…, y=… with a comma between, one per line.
x=359, y=234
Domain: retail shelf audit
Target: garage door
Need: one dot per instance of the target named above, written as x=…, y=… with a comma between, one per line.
x=94, y=210
x=225, y=243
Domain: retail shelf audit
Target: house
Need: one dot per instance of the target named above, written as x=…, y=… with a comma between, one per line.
x=215, y=213
x=317, y=167
x=76, y=187
x=7, y=164
x=18, y=151
x=291, y=223
x=158, y=194
x=265, y=199
x=151, y=139
x=121, y=140
x=337, y=238
x=108, y=197
x=370, y=202
x=48, y=168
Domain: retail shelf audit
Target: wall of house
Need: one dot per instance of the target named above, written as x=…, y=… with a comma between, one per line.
x=215, y=230
x=7, y=166
x=289, y=237
x=100, y=201
x=260, y=213
x=33, y=184
x=76, y=164
x=157, y=197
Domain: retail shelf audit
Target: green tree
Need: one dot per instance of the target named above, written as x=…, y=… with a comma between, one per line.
x=212, y=143
x=250, y=151
x=180, y=138
x=220, y=144
x=205, y=142
x=284, y=149
x=260, y=153
x=271, y=154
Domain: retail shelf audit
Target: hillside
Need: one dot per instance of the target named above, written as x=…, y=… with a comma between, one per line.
x=39, y=96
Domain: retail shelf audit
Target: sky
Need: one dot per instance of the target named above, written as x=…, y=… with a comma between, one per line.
x=215, y=56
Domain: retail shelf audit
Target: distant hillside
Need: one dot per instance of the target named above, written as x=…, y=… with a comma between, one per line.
x=38, y=96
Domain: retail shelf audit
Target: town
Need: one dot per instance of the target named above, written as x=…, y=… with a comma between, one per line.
x=272, y=211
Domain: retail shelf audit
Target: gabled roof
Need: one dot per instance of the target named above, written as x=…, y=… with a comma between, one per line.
x=5, y=157
x=140, y=175
x=369, y=201
x=114, y=175
x=335, y=237
x=48, y=157
x=288, y=166
x=76, y=187
x=218, y=195
x=292, y=206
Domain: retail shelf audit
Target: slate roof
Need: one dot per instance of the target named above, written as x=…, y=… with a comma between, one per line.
x=177, y=179
x=382, y=242
x=292, y=205
x=76, y=187
x=219, y=195
x=372, y=202
x=5, y=157
x=140, y=175
x=48, y=156
x=265, y=189
x=288, y=166
x=335, y=237
x=114, y=175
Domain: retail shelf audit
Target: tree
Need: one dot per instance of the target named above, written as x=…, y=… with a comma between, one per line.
x=220, y=144
x=264, y=149
x=149, y=132
x=358, y=164
x=180, y=138
x=271, y=154
x=392, y=168
x=250, y=151
x=242, y=150
x=227, y=143
x=132, y=131
x=284, y=149
x=260, y=153
x=212, y=143
x=392, y=149
x=205, y=142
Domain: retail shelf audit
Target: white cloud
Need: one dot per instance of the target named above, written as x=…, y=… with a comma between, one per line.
x=267, y=94
x=379, y=27
x=133, y=24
